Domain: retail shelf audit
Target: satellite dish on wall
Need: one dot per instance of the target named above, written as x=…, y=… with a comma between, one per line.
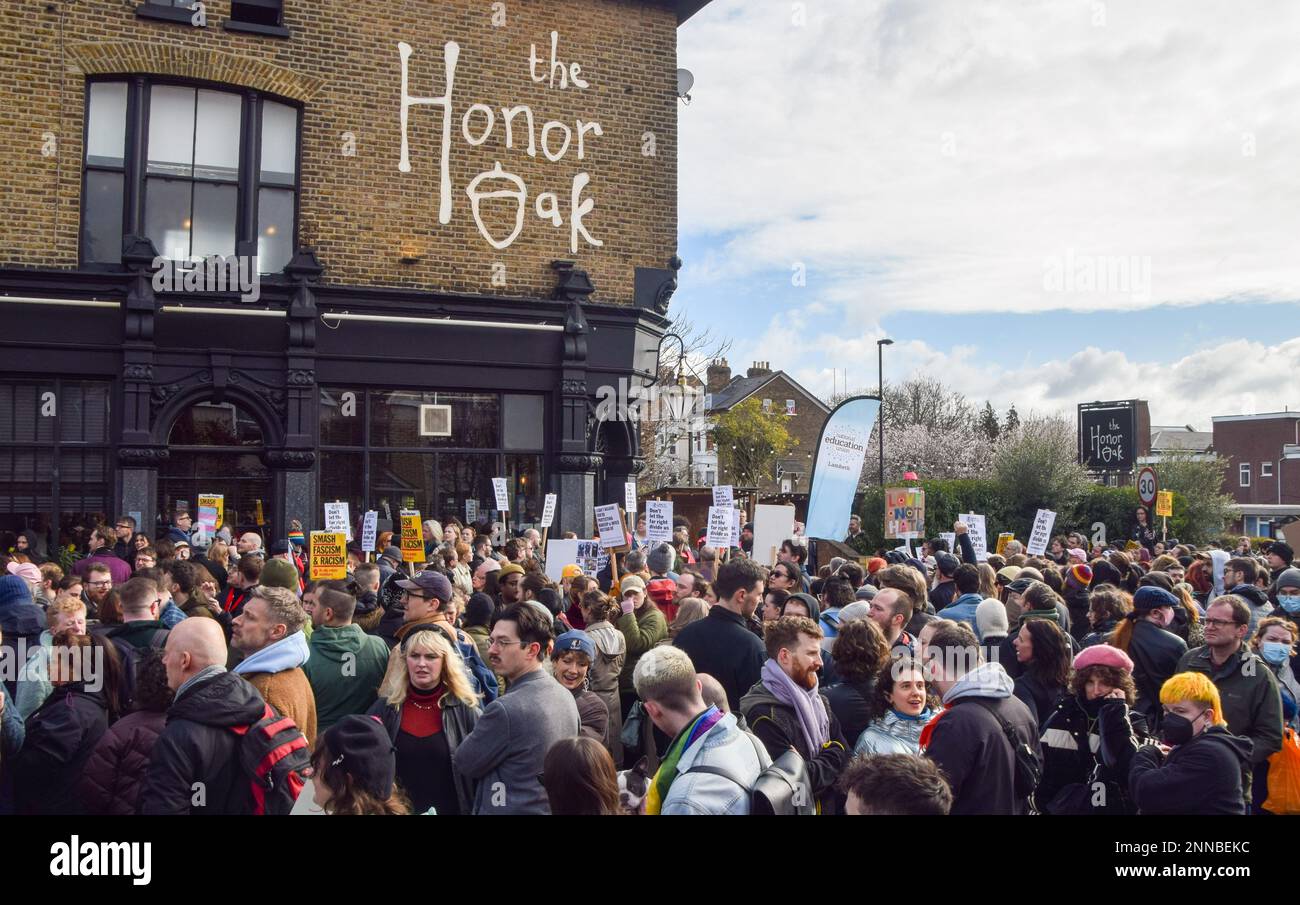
x=685, y=81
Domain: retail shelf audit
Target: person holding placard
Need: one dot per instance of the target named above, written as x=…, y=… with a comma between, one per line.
x=642, y=626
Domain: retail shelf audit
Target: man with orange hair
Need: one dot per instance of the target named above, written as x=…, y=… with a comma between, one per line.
x=1201, y=768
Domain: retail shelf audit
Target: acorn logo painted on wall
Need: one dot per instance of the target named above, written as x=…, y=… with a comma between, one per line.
x=478, y=124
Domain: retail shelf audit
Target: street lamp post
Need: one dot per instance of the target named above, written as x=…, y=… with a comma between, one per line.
x=880, y=359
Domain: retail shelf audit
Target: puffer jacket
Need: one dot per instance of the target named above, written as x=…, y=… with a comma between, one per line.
x=729, y=749
x=1082, y=749
x=893, y=734
x=110, y=782
x=61, y=734
x=198, y=746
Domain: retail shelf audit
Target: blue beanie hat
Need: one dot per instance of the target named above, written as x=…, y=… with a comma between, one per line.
x=14, y=590
x=1149, y=597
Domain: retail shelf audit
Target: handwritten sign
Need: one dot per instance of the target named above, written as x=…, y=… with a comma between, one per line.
x=723, y=495
x=629, y=498
x=412, y=536
x=609, y=526
x=471, y=511
x=548, y=510
x=1041, y=533
x=499, y=490
x=975, y=529
x=659, y=521
x=904, y=512
x=329, y=555
x=336, y=519
x=369, y=530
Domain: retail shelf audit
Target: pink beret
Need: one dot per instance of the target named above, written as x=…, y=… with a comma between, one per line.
x=1103, y=655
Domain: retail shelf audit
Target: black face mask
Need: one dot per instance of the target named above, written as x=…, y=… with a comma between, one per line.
x=1178, y=730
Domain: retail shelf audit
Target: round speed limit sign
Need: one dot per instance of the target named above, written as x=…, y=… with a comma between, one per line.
x=1147, y=486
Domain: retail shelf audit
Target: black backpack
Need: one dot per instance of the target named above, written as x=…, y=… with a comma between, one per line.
x=274, y=757
x=783, y=788
x=130, y=657
x=1029, y=766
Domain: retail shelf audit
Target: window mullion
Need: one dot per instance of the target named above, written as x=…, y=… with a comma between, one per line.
x=250, y=156
x=137, y=107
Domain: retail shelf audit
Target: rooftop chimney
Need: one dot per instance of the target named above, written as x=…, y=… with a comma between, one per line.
x=718, y=375
x=760, y=369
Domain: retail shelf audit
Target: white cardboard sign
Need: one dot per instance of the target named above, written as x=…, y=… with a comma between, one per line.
x=336, y=519
x=548, y=510
x=659, y=521
x=369, y=530
x=1041, y=533
x=609, y=527
x=499, y=488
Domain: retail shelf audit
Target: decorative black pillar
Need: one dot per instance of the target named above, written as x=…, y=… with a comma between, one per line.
x=575, y=464
x=137, y=455
x=298, y=458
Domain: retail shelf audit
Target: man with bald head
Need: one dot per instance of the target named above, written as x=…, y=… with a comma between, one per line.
x=250, y=544
x=195, y=766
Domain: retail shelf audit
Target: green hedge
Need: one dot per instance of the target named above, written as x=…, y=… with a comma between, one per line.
x=946, y=499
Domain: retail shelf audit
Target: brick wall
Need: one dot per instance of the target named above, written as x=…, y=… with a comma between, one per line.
x=1257, y=442
x=805, y=427
x=342, y=63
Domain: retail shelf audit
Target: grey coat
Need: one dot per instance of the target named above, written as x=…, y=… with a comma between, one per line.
x=505, y=751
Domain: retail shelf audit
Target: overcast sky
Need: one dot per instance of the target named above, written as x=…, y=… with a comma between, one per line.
x=1043, y=203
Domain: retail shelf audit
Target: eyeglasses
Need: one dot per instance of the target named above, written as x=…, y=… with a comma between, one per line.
x=504, y=642
x=127, y=527
x=1223, y=622
x=101, y=584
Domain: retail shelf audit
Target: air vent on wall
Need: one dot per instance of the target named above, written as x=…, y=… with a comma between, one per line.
x=435, y=421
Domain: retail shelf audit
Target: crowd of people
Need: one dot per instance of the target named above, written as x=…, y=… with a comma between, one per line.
x=159, y=676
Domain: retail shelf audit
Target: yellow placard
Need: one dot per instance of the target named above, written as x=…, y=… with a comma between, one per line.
x=1004, y=538
x=212, y=509
x=258, y=517
x=412, y=537
x=329, y=555
x=1165, y=502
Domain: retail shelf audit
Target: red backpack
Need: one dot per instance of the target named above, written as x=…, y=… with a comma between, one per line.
x=274, y=756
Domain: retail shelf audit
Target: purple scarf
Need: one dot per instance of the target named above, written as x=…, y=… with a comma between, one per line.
x=814, y=722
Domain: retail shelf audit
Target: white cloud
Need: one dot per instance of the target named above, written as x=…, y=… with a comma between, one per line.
x=940, y=155
x=1234, y=377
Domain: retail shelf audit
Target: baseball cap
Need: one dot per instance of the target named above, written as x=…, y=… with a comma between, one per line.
x=572, y=570
x=575, y=640
x=947, y=563
x=431, y=584
x=630, y=583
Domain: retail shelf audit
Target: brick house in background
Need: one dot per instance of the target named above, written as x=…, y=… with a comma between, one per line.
x=463, y=214
x=781, y=394
x=1263, y=471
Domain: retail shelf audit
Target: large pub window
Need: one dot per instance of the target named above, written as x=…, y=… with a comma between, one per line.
x=218, y=172
x=55, y=467
x=434, y=451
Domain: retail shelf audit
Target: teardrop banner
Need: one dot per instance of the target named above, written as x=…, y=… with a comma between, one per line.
x=841, y=450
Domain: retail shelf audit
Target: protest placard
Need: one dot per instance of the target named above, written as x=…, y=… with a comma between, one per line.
x=412, y=536
x=560, y=553
x=211, y=511
x=499, y=490
x=659, y=521
x=609, y=526
x=369, y=530
x=548, y=511
x=1165, y=503
x=629, y=502
x=471, y=511
x=772, y=526
x=1004, y=538
x=721, y=523
x=904, y=512
x=723, y=495
x=975, y=529
x=336, y=519
x=329, y=555
x=1041, y=533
